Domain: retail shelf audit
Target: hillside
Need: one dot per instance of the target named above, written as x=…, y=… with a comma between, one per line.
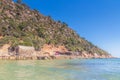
x=20, y=25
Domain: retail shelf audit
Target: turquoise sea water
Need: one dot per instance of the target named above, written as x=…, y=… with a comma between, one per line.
x=79, y=69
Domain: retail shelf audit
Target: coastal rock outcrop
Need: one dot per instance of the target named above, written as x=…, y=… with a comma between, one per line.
x=31, y=35
x=47, y=52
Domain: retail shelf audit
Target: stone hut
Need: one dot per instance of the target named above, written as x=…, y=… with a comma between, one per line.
x=26, y=51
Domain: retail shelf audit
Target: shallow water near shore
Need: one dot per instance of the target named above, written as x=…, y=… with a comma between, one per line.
x=78, y=69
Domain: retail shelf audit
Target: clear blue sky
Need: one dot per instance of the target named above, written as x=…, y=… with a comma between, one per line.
x=96, y=20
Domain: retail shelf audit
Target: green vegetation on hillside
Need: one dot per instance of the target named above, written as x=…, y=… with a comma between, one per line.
x=19, y=25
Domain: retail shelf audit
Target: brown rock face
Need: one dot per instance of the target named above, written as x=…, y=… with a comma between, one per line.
x=51, y=49
x=4, y=50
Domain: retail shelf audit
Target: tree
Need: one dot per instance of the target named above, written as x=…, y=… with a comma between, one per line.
x=19, y=1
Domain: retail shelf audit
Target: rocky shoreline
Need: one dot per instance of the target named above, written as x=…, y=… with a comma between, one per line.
x=55, y=57
x=45, y=58
x=48, y=52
